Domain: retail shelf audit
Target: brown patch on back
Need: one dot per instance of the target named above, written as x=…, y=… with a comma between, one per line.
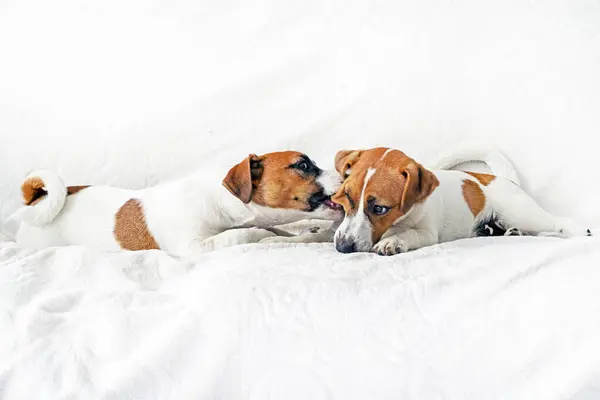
x=484, y=179
x=473, y=196
x=131, y=230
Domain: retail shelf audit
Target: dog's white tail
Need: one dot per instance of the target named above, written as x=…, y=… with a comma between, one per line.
x=498, y=163
x=44, y=194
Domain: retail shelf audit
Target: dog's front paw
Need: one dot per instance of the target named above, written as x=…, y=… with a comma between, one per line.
x=390, y=246
x=513, y=232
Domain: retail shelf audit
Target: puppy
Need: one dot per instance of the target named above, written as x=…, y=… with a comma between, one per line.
x=184, y=217
x=393, y=204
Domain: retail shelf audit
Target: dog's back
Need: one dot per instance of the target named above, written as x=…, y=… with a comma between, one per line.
x=87, y=217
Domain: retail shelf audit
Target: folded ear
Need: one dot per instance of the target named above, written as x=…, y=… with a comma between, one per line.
x=344, y=160
x=419, y=184
x=239, y=179
x=339, y=197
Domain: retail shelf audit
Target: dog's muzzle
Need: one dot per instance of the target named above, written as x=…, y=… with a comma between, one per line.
x=345, y=245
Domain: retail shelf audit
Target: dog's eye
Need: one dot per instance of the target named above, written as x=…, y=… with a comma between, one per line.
x=303, y=165
x=380, y=210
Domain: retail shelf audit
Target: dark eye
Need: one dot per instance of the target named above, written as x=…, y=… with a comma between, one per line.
x=380, y=210
x=303, y=165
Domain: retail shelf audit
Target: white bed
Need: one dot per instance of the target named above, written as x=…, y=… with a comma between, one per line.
x=131, y=93
x=503, y=318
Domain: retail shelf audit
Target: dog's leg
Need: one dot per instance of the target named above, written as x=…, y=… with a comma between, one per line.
x=318, y=236
x=321, y=236
x=517, y=209
x=228, y=238
x=400, y=240
x=495, y=227
x=491, y=226
x=280, y=232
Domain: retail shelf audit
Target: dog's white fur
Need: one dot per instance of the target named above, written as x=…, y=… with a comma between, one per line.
x=187, y=216
x=445, y=216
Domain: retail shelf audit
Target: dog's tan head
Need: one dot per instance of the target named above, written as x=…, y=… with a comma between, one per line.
x=382, y=185
x=285, y=180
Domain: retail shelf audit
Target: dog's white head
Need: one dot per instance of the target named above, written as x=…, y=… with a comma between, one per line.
x=288, y=182
x=381, y=187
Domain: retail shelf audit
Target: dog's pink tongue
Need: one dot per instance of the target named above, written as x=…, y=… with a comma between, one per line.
x=331, y=204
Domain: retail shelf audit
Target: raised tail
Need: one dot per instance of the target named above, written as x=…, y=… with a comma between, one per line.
x=496, y=161
x=44, y=194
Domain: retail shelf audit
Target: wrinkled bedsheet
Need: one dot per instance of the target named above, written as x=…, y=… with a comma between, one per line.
x=487, y=318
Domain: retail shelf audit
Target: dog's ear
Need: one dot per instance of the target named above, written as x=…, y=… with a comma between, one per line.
x=419, y=184
x=344, y=160
x=242, y=178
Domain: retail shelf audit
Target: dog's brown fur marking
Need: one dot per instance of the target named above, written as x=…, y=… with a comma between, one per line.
x=76, y=189
x=33, y=190
x=484, y=179
x=131, y=230
x=473, y=196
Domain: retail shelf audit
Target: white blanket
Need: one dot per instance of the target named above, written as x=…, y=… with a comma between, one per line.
x=495, y=318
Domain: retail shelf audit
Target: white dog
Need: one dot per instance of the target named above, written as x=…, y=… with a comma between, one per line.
x=183, y=217
x=393, y=204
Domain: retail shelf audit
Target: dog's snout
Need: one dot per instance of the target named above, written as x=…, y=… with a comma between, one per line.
x=345, y=245
x=319, y=197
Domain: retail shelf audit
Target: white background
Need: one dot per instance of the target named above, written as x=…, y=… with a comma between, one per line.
x=132, y=92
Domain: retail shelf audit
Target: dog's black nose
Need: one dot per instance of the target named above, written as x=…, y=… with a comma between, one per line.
x=345, y=245
x=317, y=199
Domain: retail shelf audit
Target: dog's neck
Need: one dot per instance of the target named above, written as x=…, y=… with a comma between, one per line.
x=220, y=210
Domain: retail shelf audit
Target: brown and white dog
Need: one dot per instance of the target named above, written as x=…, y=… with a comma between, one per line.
x=393, y=204
x=184, y=217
